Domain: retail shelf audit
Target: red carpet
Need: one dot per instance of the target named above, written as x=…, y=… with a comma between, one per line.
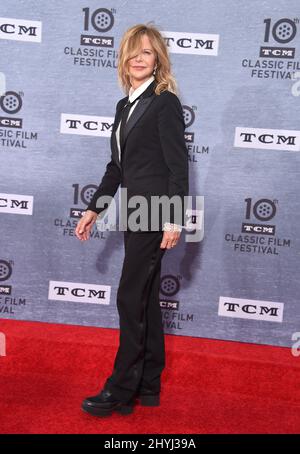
x=209, y=386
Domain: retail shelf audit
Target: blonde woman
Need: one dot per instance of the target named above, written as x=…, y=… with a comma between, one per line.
x=148, y=158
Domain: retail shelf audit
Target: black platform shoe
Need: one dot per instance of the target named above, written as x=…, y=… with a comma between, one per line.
x=148, y=398
x=104, y=404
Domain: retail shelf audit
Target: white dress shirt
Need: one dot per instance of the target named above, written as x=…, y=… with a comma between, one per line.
x=133, y=94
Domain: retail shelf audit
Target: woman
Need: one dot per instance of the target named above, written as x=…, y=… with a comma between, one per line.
x=148, y=158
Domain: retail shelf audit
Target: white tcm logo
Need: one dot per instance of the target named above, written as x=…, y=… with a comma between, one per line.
x=268, y=311
x=192, y=43
x=20, y=29
x=267, y=139
x=86, y=125
x=16, y=203
x=79, y=293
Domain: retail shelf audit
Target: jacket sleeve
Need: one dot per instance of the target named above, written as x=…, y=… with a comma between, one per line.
x=108, y=185
x=171, y=127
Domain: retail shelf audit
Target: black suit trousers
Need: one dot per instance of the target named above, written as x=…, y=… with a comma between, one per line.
x=140, y=358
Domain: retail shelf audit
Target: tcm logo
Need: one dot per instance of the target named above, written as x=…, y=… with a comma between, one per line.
x=86, y=125
x=192, y=43
x=16, y=203
x=6, y=269
x=267, y=139
x=78, y=292
x=11, y=103
x=262, y=210
x=20, y=30
x=81, y=196
x=169, y=287
x=252, y=309
x=279, y=34
x=100, y=21
x=189, y=117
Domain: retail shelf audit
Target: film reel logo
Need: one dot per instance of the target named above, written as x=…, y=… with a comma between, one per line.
x=189, y=118
x=5, y=270
x=263, y=210
x=83, y=196
x=11, y=103
x=282, y=32
x=5, y=273
x=101, y=20
x=169, y=286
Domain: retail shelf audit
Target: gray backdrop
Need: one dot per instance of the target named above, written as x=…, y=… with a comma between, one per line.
x=237, y=66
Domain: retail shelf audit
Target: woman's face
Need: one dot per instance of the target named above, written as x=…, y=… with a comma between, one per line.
x=141, y=66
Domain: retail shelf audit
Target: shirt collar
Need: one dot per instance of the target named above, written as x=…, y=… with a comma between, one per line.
x=133, y=94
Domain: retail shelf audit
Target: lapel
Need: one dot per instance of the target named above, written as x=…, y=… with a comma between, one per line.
x=144, y=102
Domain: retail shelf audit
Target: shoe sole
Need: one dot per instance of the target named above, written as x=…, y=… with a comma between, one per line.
x=149, y=401
x=96, y=411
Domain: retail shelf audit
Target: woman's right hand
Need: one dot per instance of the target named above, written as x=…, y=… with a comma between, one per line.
x=85, y=225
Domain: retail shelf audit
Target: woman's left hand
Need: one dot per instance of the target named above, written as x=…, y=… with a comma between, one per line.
x=169, y=240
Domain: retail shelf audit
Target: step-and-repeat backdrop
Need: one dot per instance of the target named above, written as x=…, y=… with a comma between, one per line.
x=237, y=64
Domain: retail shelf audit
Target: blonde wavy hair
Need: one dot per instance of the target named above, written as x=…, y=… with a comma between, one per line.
x=131, y=44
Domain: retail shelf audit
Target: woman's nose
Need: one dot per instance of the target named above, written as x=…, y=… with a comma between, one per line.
x=138, y=57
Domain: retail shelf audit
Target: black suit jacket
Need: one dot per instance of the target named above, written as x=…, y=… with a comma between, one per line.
x=154, y=158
